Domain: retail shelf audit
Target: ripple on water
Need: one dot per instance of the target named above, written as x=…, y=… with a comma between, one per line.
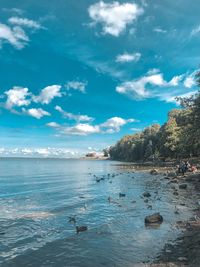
x=38, y=197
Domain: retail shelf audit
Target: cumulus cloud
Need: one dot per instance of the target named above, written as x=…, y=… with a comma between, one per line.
x=114, y=124
x=189, y=82
x=17, y=97
x=126, y=57
x=72, y=116
x=110, y=126
x=48, y=94
x=44, y=152
x=175, y=80
x=144, y=87
x=76, y=85
x=114, y=17
x=15, y=36
x=37, y=113
x=24, y=22
x=14, y=32
x=80, y=129
x=137, y=88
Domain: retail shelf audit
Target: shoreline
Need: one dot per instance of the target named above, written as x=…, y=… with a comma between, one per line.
x=186, y=249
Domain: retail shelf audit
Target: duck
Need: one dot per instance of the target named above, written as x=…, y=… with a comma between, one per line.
x=72, y=219
x=81, y=229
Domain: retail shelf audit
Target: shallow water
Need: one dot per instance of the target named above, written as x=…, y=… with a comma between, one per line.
x=37, y=196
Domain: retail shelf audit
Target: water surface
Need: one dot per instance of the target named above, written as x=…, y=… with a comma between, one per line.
x=37, y=196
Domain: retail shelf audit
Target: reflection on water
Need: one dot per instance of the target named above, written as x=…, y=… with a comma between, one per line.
x=37, y=197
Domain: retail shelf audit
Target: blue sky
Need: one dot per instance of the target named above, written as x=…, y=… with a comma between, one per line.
x=78, y=75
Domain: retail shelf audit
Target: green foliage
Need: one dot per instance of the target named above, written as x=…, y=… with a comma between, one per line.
x=178, y=137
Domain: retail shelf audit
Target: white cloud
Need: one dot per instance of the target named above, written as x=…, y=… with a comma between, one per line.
x=195, y=31
x=14, y=33
x=190, y=80
x=175, y=80
x=44, y=152
x=15, y=10
x=136, y=129
x=144, y=87
x=48, y=94
x=112, y=125
x=24, y=22
x=37, y=113
x=76, y=85
x=153, y=71
x=15, y=36
x=137, y=88
x=72, y=116
x=172, y=99
x=114, y=17
x=17, y=97
x=81, y=129
x=159, y=30
x=53, y=124
x=126, y=57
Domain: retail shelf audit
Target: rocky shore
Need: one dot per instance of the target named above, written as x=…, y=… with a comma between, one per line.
x=186, y=250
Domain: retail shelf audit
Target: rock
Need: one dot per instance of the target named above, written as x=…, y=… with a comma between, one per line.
x=175, y=181
x=146, y=201
x=81, y=229
x=183, y=186
x=154, y=218
x=166, y=177
x=146, y=194
x=175, y=193
x=172, y=175
x=182, y=259
x=122, y=195
x=154, y=172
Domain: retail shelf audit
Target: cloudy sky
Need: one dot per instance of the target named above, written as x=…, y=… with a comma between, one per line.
x=78, y=75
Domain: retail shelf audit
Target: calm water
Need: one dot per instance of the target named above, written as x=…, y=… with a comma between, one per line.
x=38, y=195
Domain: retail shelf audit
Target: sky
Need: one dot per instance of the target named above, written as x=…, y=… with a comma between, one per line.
x=76, y=76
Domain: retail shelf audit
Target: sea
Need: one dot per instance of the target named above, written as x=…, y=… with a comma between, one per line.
x=43, y=200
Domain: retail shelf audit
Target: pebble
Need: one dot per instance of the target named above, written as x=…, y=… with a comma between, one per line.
x=182, y=259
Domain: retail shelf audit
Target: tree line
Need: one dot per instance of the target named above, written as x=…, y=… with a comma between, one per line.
x=179, y=137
